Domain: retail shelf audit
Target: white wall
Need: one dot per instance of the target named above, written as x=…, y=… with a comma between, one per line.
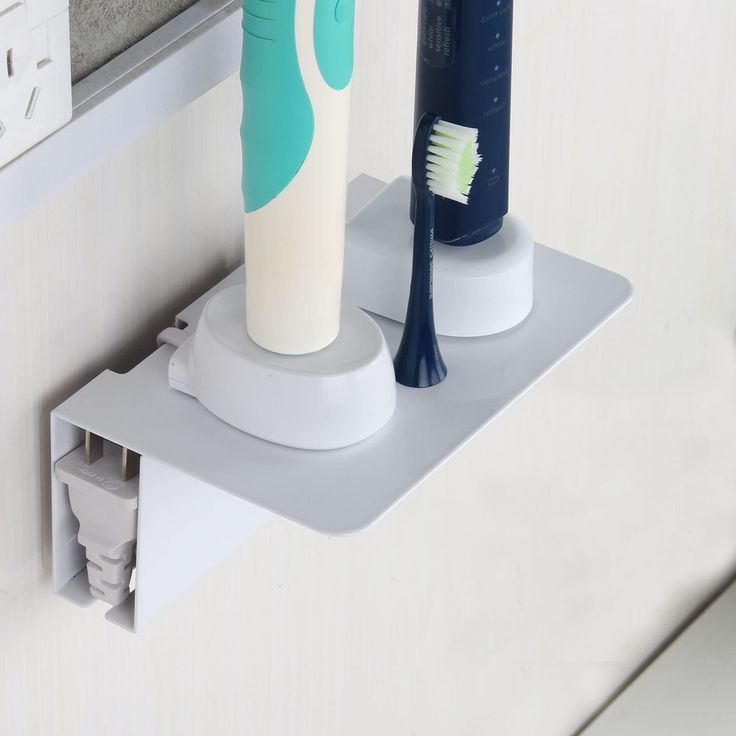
x=524, y=581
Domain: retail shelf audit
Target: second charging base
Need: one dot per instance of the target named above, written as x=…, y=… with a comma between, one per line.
x=479, y=290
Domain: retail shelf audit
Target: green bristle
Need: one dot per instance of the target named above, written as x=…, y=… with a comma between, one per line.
x=452, y=160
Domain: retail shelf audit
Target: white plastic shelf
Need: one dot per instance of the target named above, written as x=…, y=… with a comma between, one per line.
x=344, y=491
x=205, y=487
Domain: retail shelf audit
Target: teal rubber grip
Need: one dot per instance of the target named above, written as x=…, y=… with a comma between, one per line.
x=278, y=121
x=334, y=22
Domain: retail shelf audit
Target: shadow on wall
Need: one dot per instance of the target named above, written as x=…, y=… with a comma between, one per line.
x=689, y=620
x=101, y=30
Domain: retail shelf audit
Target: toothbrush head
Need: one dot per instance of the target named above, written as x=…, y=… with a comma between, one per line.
x=451, y=159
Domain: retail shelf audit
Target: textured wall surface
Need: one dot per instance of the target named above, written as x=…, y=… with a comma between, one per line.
x=101, y=29
x=522, y=582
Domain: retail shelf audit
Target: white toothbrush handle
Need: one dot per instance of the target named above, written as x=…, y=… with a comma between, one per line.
x=295, y=242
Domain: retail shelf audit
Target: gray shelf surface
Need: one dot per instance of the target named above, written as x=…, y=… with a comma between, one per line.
x=341, y=492
x=689, y=689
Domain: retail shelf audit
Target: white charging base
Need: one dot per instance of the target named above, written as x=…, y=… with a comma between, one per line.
x=321, y=401
x=479, y=290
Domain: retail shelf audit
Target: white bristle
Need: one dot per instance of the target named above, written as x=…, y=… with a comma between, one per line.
x=452, y=160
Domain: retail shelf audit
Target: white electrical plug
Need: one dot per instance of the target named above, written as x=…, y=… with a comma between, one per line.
x=35, y=73
x=103, y=492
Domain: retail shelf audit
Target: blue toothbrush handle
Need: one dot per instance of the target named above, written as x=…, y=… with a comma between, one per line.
x=418, y=361
x=464, y=75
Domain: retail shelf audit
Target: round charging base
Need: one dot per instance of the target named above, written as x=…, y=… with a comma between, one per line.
x=325, y=400
x=479, y=290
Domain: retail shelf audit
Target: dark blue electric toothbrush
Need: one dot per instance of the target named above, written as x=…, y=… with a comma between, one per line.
x=464, y=74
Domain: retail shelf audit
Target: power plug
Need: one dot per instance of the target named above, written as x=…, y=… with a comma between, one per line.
x=103, y=492
x=35, y=73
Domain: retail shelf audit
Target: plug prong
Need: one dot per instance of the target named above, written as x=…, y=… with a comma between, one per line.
x=131, y=464
x=93, y=449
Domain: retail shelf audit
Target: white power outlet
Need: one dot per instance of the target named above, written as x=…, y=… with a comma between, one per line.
x=35, y=73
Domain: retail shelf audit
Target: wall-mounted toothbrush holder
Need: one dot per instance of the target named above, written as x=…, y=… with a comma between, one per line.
x=204, y=487
x=479, y=290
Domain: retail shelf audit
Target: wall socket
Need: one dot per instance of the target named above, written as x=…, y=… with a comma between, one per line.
x=35, y=73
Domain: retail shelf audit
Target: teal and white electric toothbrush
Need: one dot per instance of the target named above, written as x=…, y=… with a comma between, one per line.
x=283, y=359
x=296, y=76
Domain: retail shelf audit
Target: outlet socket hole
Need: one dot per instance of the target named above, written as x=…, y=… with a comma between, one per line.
x=9, y=65
x=31, y=107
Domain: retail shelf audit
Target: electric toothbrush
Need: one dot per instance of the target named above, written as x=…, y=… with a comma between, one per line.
x=296, y=72
x=464, y=75
x=286, y=362
x=445, y=160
